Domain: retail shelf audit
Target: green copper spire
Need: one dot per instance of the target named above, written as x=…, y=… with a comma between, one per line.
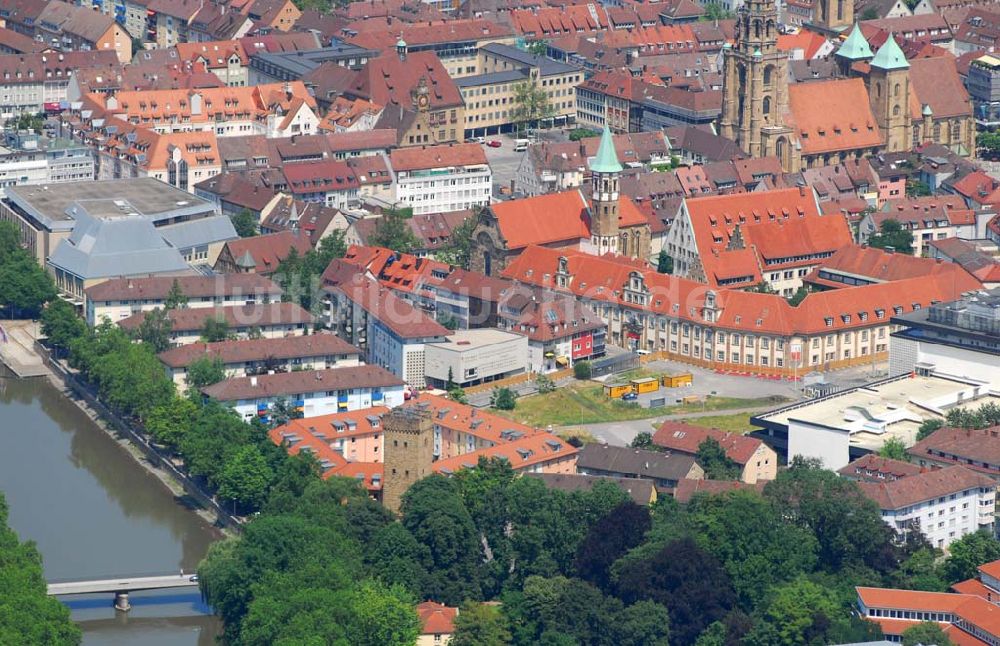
x=889, y=56
x=927, y=112
x=606, y=160
x=855, y=48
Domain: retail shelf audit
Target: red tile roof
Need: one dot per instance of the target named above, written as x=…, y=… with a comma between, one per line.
x=522, y=454
x=914, y=489
x=687, y=489
x=428, y=157
x=246, y=350
x=370, y=474
x=405, y=320
x=283, y=384
x=831, y=116
x=192, y=319
x=554, y=217
x=436, y=618
x=157, y=288
x=882, y=266
x=269, y=250
x=925, y=211
x=686, y=438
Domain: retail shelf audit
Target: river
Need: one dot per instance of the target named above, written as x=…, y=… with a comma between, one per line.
x=94, y=512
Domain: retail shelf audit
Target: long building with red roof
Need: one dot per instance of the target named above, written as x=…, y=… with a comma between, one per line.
x=731, y=330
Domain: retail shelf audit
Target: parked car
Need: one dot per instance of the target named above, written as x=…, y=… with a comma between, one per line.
x=480, y=140
x=630, y=397
x=494, y=143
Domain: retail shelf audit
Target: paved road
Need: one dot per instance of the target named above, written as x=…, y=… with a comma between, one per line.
x=622, y=433
x=123, y=584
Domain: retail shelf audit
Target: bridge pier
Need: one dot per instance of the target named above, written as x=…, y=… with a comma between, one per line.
x=121, y=601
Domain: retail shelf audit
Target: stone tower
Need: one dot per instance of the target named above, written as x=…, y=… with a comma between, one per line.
x=833, y=16
x=853, y=50
x=755, y=92
x=889, y=93
x=605, y=172
x=408, y=446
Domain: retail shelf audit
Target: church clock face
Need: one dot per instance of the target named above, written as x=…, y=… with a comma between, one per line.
x=422, y=100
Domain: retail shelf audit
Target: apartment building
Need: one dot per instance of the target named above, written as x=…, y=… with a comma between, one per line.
x=27, y=158
x=247, y=357
x=309, y=393
x=267, y=321
x=120, y=298
x=437, y=179
x=37, y=82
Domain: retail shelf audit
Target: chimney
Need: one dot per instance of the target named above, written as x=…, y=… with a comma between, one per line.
x=253, y=381
x=802, y=191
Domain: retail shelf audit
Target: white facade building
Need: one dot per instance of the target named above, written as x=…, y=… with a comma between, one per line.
x=439, y=179
x=472, y=357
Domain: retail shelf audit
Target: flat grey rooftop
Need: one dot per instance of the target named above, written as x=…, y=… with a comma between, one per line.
x=144, y=196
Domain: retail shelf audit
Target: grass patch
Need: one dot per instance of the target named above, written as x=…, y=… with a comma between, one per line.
x=585, y=403
x=738, y=423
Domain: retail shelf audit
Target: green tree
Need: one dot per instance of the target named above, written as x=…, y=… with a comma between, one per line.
x=917, y=188
x=988, y=144
x=503, y=399
x=480, y=624
x=799, y=296
x=27, y=615
x=620, y=530
x=582, y=133
x=968, y=553
x=168, y=423
x=33, y=121
x=205, y=371
x=537, y=48
x=847, y=525
x=926, y=633
x=871, y=13
x=530, y=105
x=763, y=287
x=544, y=383
x=582, y=370
x=175, y=297
x=393, y=231
x=155, y=330
x=798, y=612
x=927, y=427
x=717, y=465
x=459, y=248
x=919, y=571
x=433, y=512
x=24, y=285
x=894, y=449
x=61, y=325
x=245, y=223
x=643, y=440
x=395, y=557
x=458, y=395
x=245, y=478
x=715, y=11
x=214, y=330
x=381, y=615
x=664, y=263
x=892, y=235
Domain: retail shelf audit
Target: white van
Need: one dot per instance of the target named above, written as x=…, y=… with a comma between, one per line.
x=520, y=145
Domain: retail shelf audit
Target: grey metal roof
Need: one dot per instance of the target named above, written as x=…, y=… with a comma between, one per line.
x=126, y=246
x=546, y=66
x=506, y=76
x=203, y=231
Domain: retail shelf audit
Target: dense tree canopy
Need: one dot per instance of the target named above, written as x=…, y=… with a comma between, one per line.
x=25, y=287
x=27, y=615
x=892, y=235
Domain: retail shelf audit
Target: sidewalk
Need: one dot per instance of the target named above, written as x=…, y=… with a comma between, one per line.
x=17, y=349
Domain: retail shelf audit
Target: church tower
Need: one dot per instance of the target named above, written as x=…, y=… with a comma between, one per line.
x=755, y=77
x=854, y=49
x=605, y=171
x=889, y=93
x=833, y=16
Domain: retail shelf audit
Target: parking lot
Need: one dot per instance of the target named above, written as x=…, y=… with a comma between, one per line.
x=504, y=161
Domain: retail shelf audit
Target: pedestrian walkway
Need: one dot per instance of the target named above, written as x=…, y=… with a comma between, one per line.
x=17, y=348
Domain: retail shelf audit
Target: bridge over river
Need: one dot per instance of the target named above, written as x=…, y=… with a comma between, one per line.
x=121, y=586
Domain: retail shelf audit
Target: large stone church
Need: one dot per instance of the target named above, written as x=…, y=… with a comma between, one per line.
x=876, y=101
x=605, y=222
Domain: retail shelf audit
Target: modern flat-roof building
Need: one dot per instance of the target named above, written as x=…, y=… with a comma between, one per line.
x=269, y=321
x=472, y=357
x=127, y=227
x=310, y=392
x=27, y=158
x=247, y=357
x=275, y=67
x=959, y=338
x=120, y=298
x=843, y=426
x=439, y=179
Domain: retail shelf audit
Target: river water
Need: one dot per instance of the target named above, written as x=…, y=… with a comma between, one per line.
x=94, y=512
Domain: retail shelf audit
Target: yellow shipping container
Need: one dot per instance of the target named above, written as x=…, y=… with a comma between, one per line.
x=646, y=385
x=675, y=381
x=617, y=390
